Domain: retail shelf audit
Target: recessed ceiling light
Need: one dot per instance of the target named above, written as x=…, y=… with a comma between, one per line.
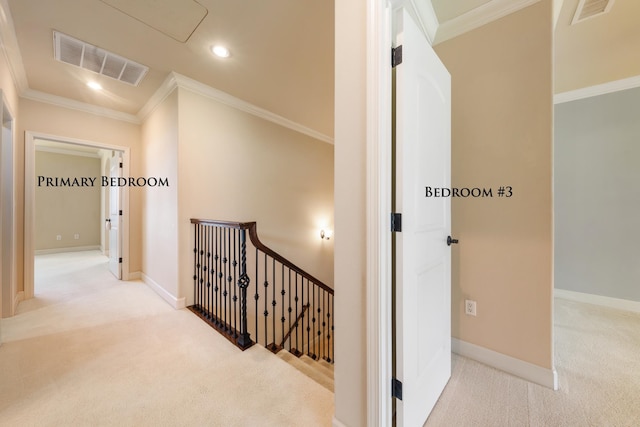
x=220, y=51
x=94, y=85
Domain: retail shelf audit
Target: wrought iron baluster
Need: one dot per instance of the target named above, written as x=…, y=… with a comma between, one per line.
x=266, y=296
x=282, y=292
x=289, y=309
x=297, y=323
x=244, y=339
x=235, y=276
x=315, y=338
x=225, y=262
x=195, y=265
x=257, y=295
x=217, y=286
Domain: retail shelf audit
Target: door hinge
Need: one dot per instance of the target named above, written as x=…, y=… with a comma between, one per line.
x=396, y=388
x=120, y=165
x=120, y=261
x=396, y=56
x=120, y=211
x=396, y=222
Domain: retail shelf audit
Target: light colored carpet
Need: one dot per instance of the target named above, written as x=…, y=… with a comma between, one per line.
x=113, y=353
x=598, y=363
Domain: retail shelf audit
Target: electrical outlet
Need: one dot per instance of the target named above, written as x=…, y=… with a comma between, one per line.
x=58, y=237
x=76, y=236
x=470, y=307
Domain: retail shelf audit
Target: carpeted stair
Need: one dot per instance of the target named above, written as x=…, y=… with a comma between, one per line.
x=320, y=370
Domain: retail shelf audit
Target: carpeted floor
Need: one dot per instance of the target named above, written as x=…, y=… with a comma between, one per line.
x=597, y=357
x=113, y=353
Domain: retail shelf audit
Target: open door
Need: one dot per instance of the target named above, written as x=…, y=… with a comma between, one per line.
x=422, y=254
x=114, y=222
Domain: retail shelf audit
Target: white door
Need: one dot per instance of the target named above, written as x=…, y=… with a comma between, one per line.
x=114, y=222
x=423, y=258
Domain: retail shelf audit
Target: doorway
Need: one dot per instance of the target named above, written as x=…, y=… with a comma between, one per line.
x=105, y=151
x=8, y=294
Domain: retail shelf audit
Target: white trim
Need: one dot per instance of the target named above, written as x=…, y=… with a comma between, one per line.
x=336, y=423
x=177, y=80
x=57, y=150
x=482, y=15
x=174, y=302
x=10, y=48
x=69, y=249
x=601, y=89
x=617, y=303
x=16, y=300
x=135, y=275
x=424, y=14
x=168, y=85
x=29, y=202
x=72, y=104
x=378, y=205
x=536, y=374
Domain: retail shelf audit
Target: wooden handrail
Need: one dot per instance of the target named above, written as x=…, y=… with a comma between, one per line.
x=229, y=224
x=253, y=235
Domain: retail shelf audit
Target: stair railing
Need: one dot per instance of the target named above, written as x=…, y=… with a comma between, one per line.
x=291, y=309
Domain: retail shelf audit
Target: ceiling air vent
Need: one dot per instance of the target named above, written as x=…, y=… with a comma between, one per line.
x=591, y=8
x=92, y=58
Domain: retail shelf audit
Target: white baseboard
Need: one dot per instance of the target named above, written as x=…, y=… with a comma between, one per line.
x=16, y=300
x=525, y=370
x=174, y=302
x=71, y=249
x=134, y=275
x=617, y=303
x=337, y=423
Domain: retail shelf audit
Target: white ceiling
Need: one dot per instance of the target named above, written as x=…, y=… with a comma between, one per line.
x=282, y=50
x=282, y=53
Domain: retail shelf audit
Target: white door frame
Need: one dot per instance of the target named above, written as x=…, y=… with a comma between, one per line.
x=29, y=202
x=11, y=286
x=378, y=221
x=378, y=205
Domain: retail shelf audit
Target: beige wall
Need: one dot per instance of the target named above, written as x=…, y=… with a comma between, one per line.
x=237, y=167
x=502, y=135
x=66, y=211
x=160, y=205
x=350, y=213
x=53, y=120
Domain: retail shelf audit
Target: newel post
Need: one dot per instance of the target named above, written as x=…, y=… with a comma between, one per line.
x=244, y=340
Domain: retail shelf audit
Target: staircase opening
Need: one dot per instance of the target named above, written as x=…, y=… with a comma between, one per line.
x=252, y=295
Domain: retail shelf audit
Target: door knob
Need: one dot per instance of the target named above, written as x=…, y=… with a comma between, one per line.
x=451, y=241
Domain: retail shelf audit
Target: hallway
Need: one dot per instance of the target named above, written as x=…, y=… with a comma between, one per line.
x=91, y=350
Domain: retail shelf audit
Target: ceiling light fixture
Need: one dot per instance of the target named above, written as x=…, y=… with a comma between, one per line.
x=220, y=51
x=94, y=85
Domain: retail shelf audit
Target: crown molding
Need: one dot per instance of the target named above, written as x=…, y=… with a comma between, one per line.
x=175, y=80
x=476, y=18
x=72, y=104
x=10, y=48
x=168, y=85
x=601, y=89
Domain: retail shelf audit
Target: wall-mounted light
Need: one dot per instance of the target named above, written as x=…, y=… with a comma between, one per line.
x=325, y=234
